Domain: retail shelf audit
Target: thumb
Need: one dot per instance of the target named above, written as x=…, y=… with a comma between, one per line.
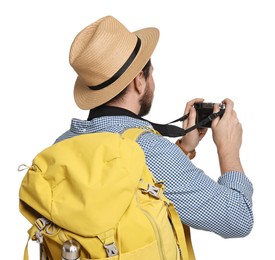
x=216, y=109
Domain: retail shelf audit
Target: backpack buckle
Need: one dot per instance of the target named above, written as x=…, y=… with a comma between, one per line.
x=39, y=237
x=111, y=249
x=41, y=223
x=153, y=191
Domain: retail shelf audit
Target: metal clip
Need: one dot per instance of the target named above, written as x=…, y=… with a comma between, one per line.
x=153, y=191
x=39, y=237
x=50, y=229
x=41, y=223
x=111, y=249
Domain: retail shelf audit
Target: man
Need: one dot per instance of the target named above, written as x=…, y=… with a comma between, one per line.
x=115, y=83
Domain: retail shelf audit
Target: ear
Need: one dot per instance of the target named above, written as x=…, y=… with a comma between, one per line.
x=140, y=83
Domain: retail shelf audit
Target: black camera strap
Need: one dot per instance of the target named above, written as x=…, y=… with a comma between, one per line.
x=175, y=131
x=164, y=129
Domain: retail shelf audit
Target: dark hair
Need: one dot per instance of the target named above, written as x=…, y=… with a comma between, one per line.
x=145, y=70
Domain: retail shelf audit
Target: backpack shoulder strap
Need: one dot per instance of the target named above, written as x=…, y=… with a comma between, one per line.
x=134, y=133
x=182, y=231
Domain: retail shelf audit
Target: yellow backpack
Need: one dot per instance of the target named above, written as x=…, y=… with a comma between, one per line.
x=97, y=190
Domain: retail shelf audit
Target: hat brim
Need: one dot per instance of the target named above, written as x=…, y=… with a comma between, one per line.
x=86, y=98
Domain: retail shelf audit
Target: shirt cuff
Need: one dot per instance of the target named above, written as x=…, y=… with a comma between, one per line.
x=237, y=181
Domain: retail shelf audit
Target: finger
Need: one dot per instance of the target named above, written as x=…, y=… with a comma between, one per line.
x=191, y=103
x=228, y=102
x=229, y=105
x=202, y=132
x=191, y=118
x=215, y=110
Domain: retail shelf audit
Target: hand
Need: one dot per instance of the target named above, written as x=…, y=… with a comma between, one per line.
x=190, y=141
x=227, y=135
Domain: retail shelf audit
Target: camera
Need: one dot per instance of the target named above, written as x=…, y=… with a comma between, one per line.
x=204, y=110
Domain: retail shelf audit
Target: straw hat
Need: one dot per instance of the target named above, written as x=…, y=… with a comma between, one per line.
x=107, y=57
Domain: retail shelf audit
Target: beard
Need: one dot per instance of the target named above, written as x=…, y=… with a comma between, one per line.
x=146, y=102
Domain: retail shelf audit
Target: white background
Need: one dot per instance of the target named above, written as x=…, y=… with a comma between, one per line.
x=210, y=49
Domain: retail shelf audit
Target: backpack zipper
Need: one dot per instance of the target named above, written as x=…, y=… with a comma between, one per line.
x=157, y=233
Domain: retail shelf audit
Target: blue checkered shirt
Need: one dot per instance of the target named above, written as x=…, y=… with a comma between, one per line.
x=223, y=206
